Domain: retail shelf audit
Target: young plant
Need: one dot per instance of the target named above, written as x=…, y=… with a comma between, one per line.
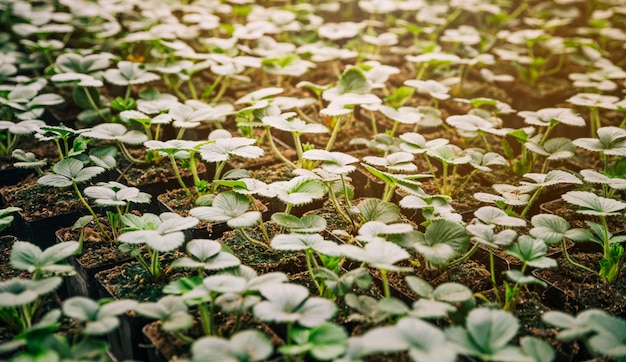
x=160, y=234
x=248, y=345
x=337, y=164
x=6, y=218
x=10, y=133
x=119, y=196
x=300, y=190
x=531, y=252
x=233, y=209
x=602, y=333
x=289, y=123
x=291, y=304
x=309, y=240
x=28, y=160
x=24, y=102
x=378, y=254
x=61, y=136
x=21, y=300
x=472, y=340
x=223, y=148
x=323, y=342
x=206, y=254
x=452, y=300
x=441, y=243
x=119, y=134
x=42, y=264
x=127, y=74
x=71, y=172
x=601, y=207
x=181, y=150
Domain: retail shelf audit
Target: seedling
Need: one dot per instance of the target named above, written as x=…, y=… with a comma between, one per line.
x=42, y=264
x=10, y=133
x=601, y=207
x=160, y=234
x=20, y=300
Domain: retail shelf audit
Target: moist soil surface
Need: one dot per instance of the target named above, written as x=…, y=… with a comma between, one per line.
x=580, y=289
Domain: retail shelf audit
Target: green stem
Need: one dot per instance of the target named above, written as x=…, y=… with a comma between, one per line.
x=464, y=257
x=276, y=151
x=192, y=89
x=333, y=136
x=337, y=206
x=207, y=326
x=571, y=261
x=95, y=217
x=218, y=174
x=396, y=124
x=484, y=138
x=183, y=338
x=298, y=145
x=155, y=265
x=252, y=240
x=530, y=202
x=492, y=272
x=309, y=256
x=180, y=133
x=383, y=276
x=127, y=154
x=179, y=178
x=93, y=105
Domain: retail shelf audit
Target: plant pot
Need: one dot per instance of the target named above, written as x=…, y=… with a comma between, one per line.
x=162, y=346
x=130, y=281
x=44, y=210
x=6, y=270
x=260, y=259
x=573, y=290
x=97, y=255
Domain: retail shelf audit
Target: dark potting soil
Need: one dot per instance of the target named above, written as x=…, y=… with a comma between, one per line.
x=172, y=348
x=587, y=290
x=130, y=280
x=38, y=201
x=260, y=259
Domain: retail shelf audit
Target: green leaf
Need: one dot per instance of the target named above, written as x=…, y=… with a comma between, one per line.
x=257, y=348
x=538, y=350
x=531, y=251
x=353, y=81
x=516, y=276
x=305, y=241
x=443, y=241
x=373, y=209
x=592, y=204
x=305, y=224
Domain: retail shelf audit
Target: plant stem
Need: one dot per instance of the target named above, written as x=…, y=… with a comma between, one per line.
x=207, y=325
x=383, y=276
x=218, y=174
x=95, y=217
x=127, y=154
x=571, y=261
x=309, y=255
x=155, y=265
x=530, y=202
x=276, y=151
x=337, y=206
x=253, y=241
x=298, y=145
x=333, y=136
x=464, y=257
x=492, y=272
x=179, y=177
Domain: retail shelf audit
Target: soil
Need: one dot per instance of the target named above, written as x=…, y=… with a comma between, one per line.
x=41, y=150
x=6, y=270
x=152, y=173
x=172, y=348
x=260, y=259
x=38, y=201
x=582, y=290
x=130, y=280
x=96, y=251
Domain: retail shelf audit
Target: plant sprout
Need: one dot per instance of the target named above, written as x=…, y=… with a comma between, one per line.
x=128, y=74
x=612, y=252
x=71, y=172
x=160, y=233
x=10, y=133
x=20, y=300
x=30, y=258
x=232, y=208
